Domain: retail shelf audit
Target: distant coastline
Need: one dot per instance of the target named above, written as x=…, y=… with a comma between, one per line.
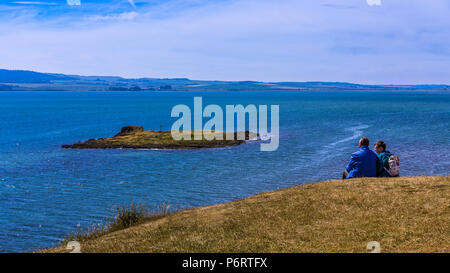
x=21, y=80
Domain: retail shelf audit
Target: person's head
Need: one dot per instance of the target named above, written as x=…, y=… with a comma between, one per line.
x=364, y=141
x=380, y=147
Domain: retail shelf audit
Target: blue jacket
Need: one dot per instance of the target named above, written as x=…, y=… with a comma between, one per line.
x=363, y=163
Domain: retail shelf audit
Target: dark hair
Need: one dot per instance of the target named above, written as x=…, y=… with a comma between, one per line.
x=364, y=141
x=381, y=144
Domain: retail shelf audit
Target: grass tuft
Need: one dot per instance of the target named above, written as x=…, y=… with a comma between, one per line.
x=125, y=216
x=128, y=216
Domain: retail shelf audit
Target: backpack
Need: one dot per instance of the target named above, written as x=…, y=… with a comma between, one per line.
x=394, y=166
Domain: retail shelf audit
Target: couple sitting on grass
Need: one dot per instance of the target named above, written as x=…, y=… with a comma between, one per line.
x=366, y=163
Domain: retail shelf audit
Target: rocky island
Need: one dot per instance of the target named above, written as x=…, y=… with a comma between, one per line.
x=135, y=137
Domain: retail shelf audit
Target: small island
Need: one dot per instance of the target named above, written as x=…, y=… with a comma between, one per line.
x=135, y=137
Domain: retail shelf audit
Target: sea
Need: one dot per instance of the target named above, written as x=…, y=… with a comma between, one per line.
x=47, y=193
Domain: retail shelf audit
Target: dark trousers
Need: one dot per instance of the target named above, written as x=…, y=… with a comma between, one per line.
x=344, y=174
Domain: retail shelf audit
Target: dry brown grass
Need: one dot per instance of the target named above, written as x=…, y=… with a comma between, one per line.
x=406, y=214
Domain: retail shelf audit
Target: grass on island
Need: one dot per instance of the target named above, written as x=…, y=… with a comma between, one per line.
x=406, y=214
x=134, y=137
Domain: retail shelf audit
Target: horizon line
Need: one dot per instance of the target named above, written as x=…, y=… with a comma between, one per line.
x=236, y=81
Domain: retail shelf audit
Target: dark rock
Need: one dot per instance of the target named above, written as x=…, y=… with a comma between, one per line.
x=130, y=130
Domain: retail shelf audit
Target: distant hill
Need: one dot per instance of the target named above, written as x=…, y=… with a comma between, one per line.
x=4, y=87
x=21, y=80
x=22, y=76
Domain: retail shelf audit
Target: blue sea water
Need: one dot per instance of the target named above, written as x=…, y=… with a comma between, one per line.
x=46, y=191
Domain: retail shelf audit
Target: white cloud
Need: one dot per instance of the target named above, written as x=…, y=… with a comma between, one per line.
x=132, y=3
x=34, y=3
x=404, y=41
x=120, y=16
x=74, y=2
x=374, y=2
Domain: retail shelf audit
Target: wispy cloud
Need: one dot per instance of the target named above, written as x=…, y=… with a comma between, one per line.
x=119, y=16
x=403, y=41
x=339, y=6
x=34, y=3
x=132, y=3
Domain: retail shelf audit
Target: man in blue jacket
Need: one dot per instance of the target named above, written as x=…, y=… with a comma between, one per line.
x=363, y=163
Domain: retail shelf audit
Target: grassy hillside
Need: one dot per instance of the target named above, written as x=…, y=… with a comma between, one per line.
x=407, y=214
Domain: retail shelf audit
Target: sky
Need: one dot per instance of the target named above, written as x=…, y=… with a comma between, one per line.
x=359, y=41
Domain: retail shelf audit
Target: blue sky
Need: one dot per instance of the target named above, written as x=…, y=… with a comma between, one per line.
x=397, y=42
